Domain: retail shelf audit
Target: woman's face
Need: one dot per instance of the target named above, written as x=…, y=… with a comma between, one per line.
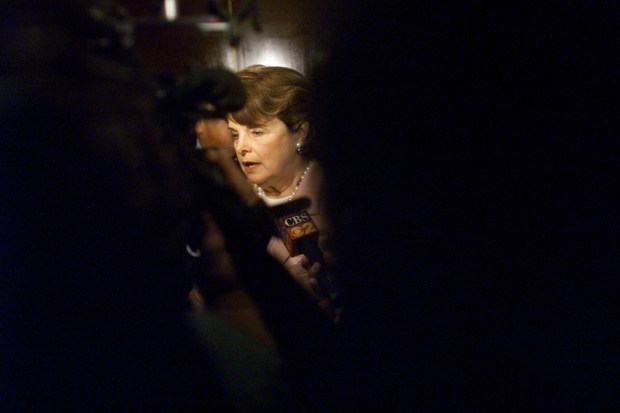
x=267, y=153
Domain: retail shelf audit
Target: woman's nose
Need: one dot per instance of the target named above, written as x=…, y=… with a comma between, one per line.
x=242, y=145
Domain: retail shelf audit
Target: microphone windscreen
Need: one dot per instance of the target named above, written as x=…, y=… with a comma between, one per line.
x=295, y=225
x=207, y=94
x=213, y=91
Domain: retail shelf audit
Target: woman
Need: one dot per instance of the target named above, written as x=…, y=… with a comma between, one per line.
x=271, y=137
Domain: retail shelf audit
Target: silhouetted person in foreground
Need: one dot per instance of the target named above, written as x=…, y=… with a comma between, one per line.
x=476, y=219
x=98, y=201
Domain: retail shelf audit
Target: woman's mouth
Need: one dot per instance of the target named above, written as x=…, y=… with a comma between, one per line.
x=249, y=167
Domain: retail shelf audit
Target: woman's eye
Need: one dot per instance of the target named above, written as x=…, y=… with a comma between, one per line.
x=257, y=132
x=234, y=135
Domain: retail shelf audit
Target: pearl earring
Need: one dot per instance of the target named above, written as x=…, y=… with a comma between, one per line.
x=299, y=148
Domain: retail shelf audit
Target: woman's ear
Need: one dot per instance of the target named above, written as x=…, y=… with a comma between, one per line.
x=302, y=133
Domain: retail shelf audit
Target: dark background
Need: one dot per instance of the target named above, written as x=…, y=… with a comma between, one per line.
x=472, y=161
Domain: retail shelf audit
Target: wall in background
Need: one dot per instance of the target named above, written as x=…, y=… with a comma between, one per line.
x=288, y=36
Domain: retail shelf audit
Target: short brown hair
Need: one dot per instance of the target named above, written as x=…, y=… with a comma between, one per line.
x=274, y=91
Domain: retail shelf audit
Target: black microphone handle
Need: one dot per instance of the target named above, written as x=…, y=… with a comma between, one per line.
x=326, y=279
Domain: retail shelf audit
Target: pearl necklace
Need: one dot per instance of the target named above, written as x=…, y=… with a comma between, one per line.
x=261, y=193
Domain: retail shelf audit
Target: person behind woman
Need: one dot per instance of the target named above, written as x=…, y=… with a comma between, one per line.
x=272, y=140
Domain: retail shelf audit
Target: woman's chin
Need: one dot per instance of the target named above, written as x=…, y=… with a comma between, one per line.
x=253, y=180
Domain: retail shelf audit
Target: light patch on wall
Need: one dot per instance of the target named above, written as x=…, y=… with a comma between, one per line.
x=271, y=54
x=170, y=9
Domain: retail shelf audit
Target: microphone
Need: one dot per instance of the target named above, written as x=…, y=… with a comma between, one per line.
x=206, y=94
x=212, y=93
x=300, y=235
